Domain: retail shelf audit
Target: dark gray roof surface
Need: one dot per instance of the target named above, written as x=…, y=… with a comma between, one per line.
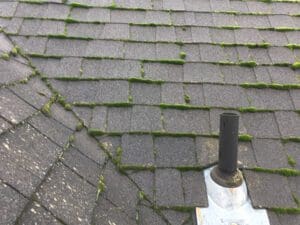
x=109, y=109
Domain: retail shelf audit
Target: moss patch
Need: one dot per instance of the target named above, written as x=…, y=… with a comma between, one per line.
x=286, y=210
x=282, y=171
x=245, y=137
x=296, y=65
x=5, y=56
x=182, y=106
x=167, y=61
x=250, y=64
x=101, y=186
x=291, y=161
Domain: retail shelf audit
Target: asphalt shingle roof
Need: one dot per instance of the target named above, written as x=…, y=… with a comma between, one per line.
x=109, y=109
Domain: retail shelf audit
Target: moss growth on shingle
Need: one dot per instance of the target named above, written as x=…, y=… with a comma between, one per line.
x=189, y=168
x=293, y=46
x=283, y=29
x=253, y=109
x=245, y=137
x=272, y=86
x=187, y=98
x=5, y=56
x=290, y=139
x=182, y=106
x=95, y=132
x=167, y=61
x=46, y=109
x=258, y=45
x=250, y=64
x=291, y=161
x=68, y=107
x=137, y=167
x=296, y=65
x=286, y=210
x=230, y=27
x=79, y=126
x=182, y=55
x=167, y=134
x=282, y=171
x=79, y=5
x=296, y=200
x=147, y=81
x=101, y=186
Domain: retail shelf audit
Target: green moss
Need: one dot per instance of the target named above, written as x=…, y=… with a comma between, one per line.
x=76, y=78
x=33, y=1
x=101, y=186
x=182, y=55
x=79, y=126
x=15, y=51
x=141, y=195
x=36, y=55
x=46, y=109
x=283, y=29
x=113, y=5
x=95, y=132
x=187, y=99
x=142, y=71
x=258, y=45
x=286, y=210
x=130, y=99
x=5, y=56
x=189, y=168
x=137, y=167
x=71, y=20
x=71, y=138
x=250, y=64
x=142, y=80
x=291, y=161
x=253, y=110
x=79, y=5
x=167, y=134
x=282, y=171
x=245, y=137
x=182, y=106
x=118, y=104
x=118, y=157
x=296, y=65
x=68, y=107
x=272, y=86
x=290, y=139
x=230, y=27
x=167, y=61
x=293, y=46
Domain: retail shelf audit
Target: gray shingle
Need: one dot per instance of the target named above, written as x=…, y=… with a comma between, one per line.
x=212, y=53
x=148, y=216
x=184, y=121
x=281, y=21
x=144, y=4
x=202, y=72
x=192, y=52
x=84, y=30
x=158, y=17
x=167, y=51
x=262, y=74
x=269, y=153
x=110, y=68
x=98, y=120
x=247, y=36
x=92, y=14
x=31, y=44
x=269, y=98
x=204, y=19
x=173, y=4
x=220, y=5
x=252, y=21
x=105, y=48
x=12, y=203
x=281, y=55
x=295, y=94
x=221, y=20
x=145, y=93
x=225, y=96
x=62, y=47
x=201, y=34
x=260, y=56
x=128, y=16
x=175, y=151
x=183, y=34
x=201, y=6
x=268, y=190
x=166, y=72
x=13, y=108
x=259, y=7
x=7, y=9
x=165, y=34
x=293, y=37
x=239, y=6
x=57, y=192
x=222, y=35
x=118, y=119
x=195, y=93
x=169, y=191
x=276, y=38
x=141, y=33
x=115, y=31
x=262, y=125
x=139, y=50
x=178, y=18
x=237, y=75
x=283, y=75
x=35, y=213
x=137, y=150
x=194, y=188
x=172, y=93
x=288, y=123
x=146, y=118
